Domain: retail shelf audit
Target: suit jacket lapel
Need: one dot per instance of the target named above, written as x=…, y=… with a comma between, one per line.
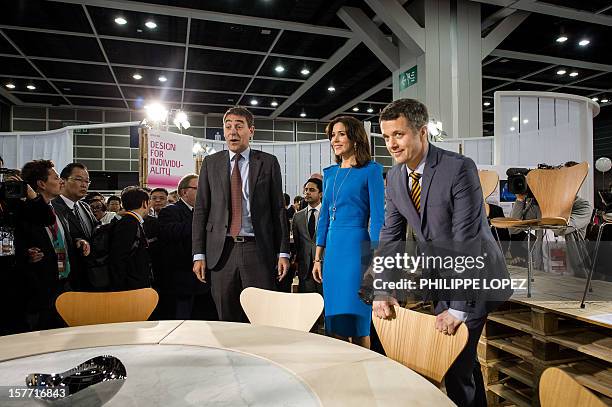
x=428, y=173
x=254, y=168
x=224, y=171
x=69, y=215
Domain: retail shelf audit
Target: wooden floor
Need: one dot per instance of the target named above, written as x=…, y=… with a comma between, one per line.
x=562, y=294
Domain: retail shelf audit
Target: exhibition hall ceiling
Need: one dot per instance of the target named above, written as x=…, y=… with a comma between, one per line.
x=282, y=58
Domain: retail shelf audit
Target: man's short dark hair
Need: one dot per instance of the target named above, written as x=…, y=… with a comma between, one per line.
x=287, y=199
x=297, y=199
x=37, y=170
x=113, y=198
x=570, y=164
x=317, y=182
x=67, y=171
x=241, y=111
x=413, y=110
x=159, y=189
x=133, y=198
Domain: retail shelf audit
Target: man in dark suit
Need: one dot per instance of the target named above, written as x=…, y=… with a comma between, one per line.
x=240, y=228
x=438, y=194
x=130, y=265
x=304, y=227
x=180, y=284
x=78, y=215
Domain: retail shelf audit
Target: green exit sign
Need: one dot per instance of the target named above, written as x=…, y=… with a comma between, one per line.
x=408, y=78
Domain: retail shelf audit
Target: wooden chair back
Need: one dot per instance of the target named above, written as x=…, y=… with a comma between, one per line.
x=283, y=310
x=412, y=340
x=559, y=389
x=555, y=190
x=488, y=183
x=83, y=308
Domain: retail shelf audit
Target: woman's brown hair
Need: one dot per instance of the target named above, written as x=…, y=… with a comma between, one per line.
x=357, y=134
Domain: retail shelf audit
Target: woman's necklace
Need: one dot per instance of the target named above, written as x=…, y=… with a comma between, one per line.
x=335, y=194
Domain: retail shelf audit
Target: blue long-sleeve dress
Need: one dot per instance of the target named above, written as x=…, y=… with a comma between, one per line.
x=358, y=197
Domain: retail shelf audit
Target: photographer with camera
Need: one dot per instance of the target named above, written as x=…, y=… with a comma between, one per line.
x=18, y=202
x=526, y=207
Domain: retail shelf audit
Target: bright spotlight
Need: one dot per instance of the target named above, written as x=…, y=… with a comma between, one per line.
x=156, y=112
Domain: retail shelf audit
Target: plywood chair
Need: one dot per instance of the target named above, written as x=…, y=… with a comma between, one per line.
x=83, y=308
x=283, y=310
x=488, y=183
x=559, y=389
x=412, y=340
x=555, y=191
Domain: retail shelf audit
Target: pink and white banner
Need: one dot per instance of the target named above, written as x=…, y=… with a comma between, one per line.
x=170, y=157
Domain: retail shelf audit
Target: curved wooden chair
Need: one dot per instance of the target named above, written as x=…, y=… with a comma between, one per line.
x=412, y=340
x=488, y=183
x=559, y=389
x=83, y=308
x=283, y=310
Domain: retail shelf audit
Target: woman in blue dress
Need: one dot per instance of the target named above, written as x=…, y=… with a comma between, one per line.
x=352, y=214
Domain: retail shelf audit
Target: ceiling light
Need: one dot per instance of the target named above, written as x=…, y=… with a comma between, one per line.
x=561, y=38
x=485, y=104
x=305, y=71
x=137, y=76
x=584, y=43
x=180, y=120
x=561, y=72
x=151, y=25
x=355, y=109
x=162, y=78
x=156, y=112
x=274, y=103
x=254, y=102
x=515, y=119
x=370, y=110
x=512, y=128
x=120, y=20
x=573, y=74
x=303, y=114
x=525, y=121
x=10, y=86
x=331, y=88
x=595, y=99
x=604, y=100
x=31, y=87
x=279, y=68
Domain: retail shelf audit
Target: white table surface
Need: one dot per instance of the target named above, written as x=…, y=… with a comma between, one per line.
x=314, y=368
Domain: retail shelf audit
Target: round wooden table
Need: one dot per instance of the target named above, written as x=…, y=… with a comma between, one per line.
x=326, y=371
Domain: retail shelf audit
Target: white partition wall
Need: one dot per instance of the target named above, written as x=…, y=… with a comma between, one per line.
x=297, y=160
x=544, y=127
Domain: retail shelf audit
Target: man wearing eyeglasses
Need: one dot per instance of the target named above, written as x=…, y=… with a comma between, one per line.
x=78, y=214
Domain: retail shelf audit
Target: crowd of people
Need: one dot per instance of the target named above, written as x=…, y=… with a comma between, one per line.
x=229, y=229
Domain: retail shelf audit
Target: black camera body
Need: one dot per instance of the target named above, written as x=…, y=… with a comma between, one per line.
x=517, y=179
x=9, y=189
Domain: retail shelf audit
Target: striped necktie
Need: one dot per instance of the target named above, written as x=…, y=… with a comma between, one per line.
x=415, y=190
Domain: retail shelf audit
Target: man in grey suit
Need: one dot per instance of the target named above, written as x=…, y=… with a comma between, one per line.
x=437, y=193
x=240, y=230
x=304, y=227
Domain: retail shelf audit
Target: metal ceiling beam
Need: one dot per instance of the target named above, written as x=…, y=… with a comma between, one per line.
x=93, y=28
x=338, y=56
x=7, y=95
x=364, y=95
x=510, y=80
x=186, y=56
x=371, y=36
x=24, y=56
x=552, y=10
x=496, y=17
x=149, y=67
x=578, y=81
x=551, y=60
x=261, y=64
x=499, y=33
x=401, y=23
x=156, y=42
x=213, y=16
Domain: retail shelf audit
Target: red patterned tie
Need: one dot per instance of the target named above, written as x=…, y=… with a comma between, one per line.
x=236, y=194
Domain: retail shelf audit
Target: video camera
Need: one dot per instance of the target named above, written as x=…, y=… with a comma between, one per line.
x=11, y=189
x=517, y=179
